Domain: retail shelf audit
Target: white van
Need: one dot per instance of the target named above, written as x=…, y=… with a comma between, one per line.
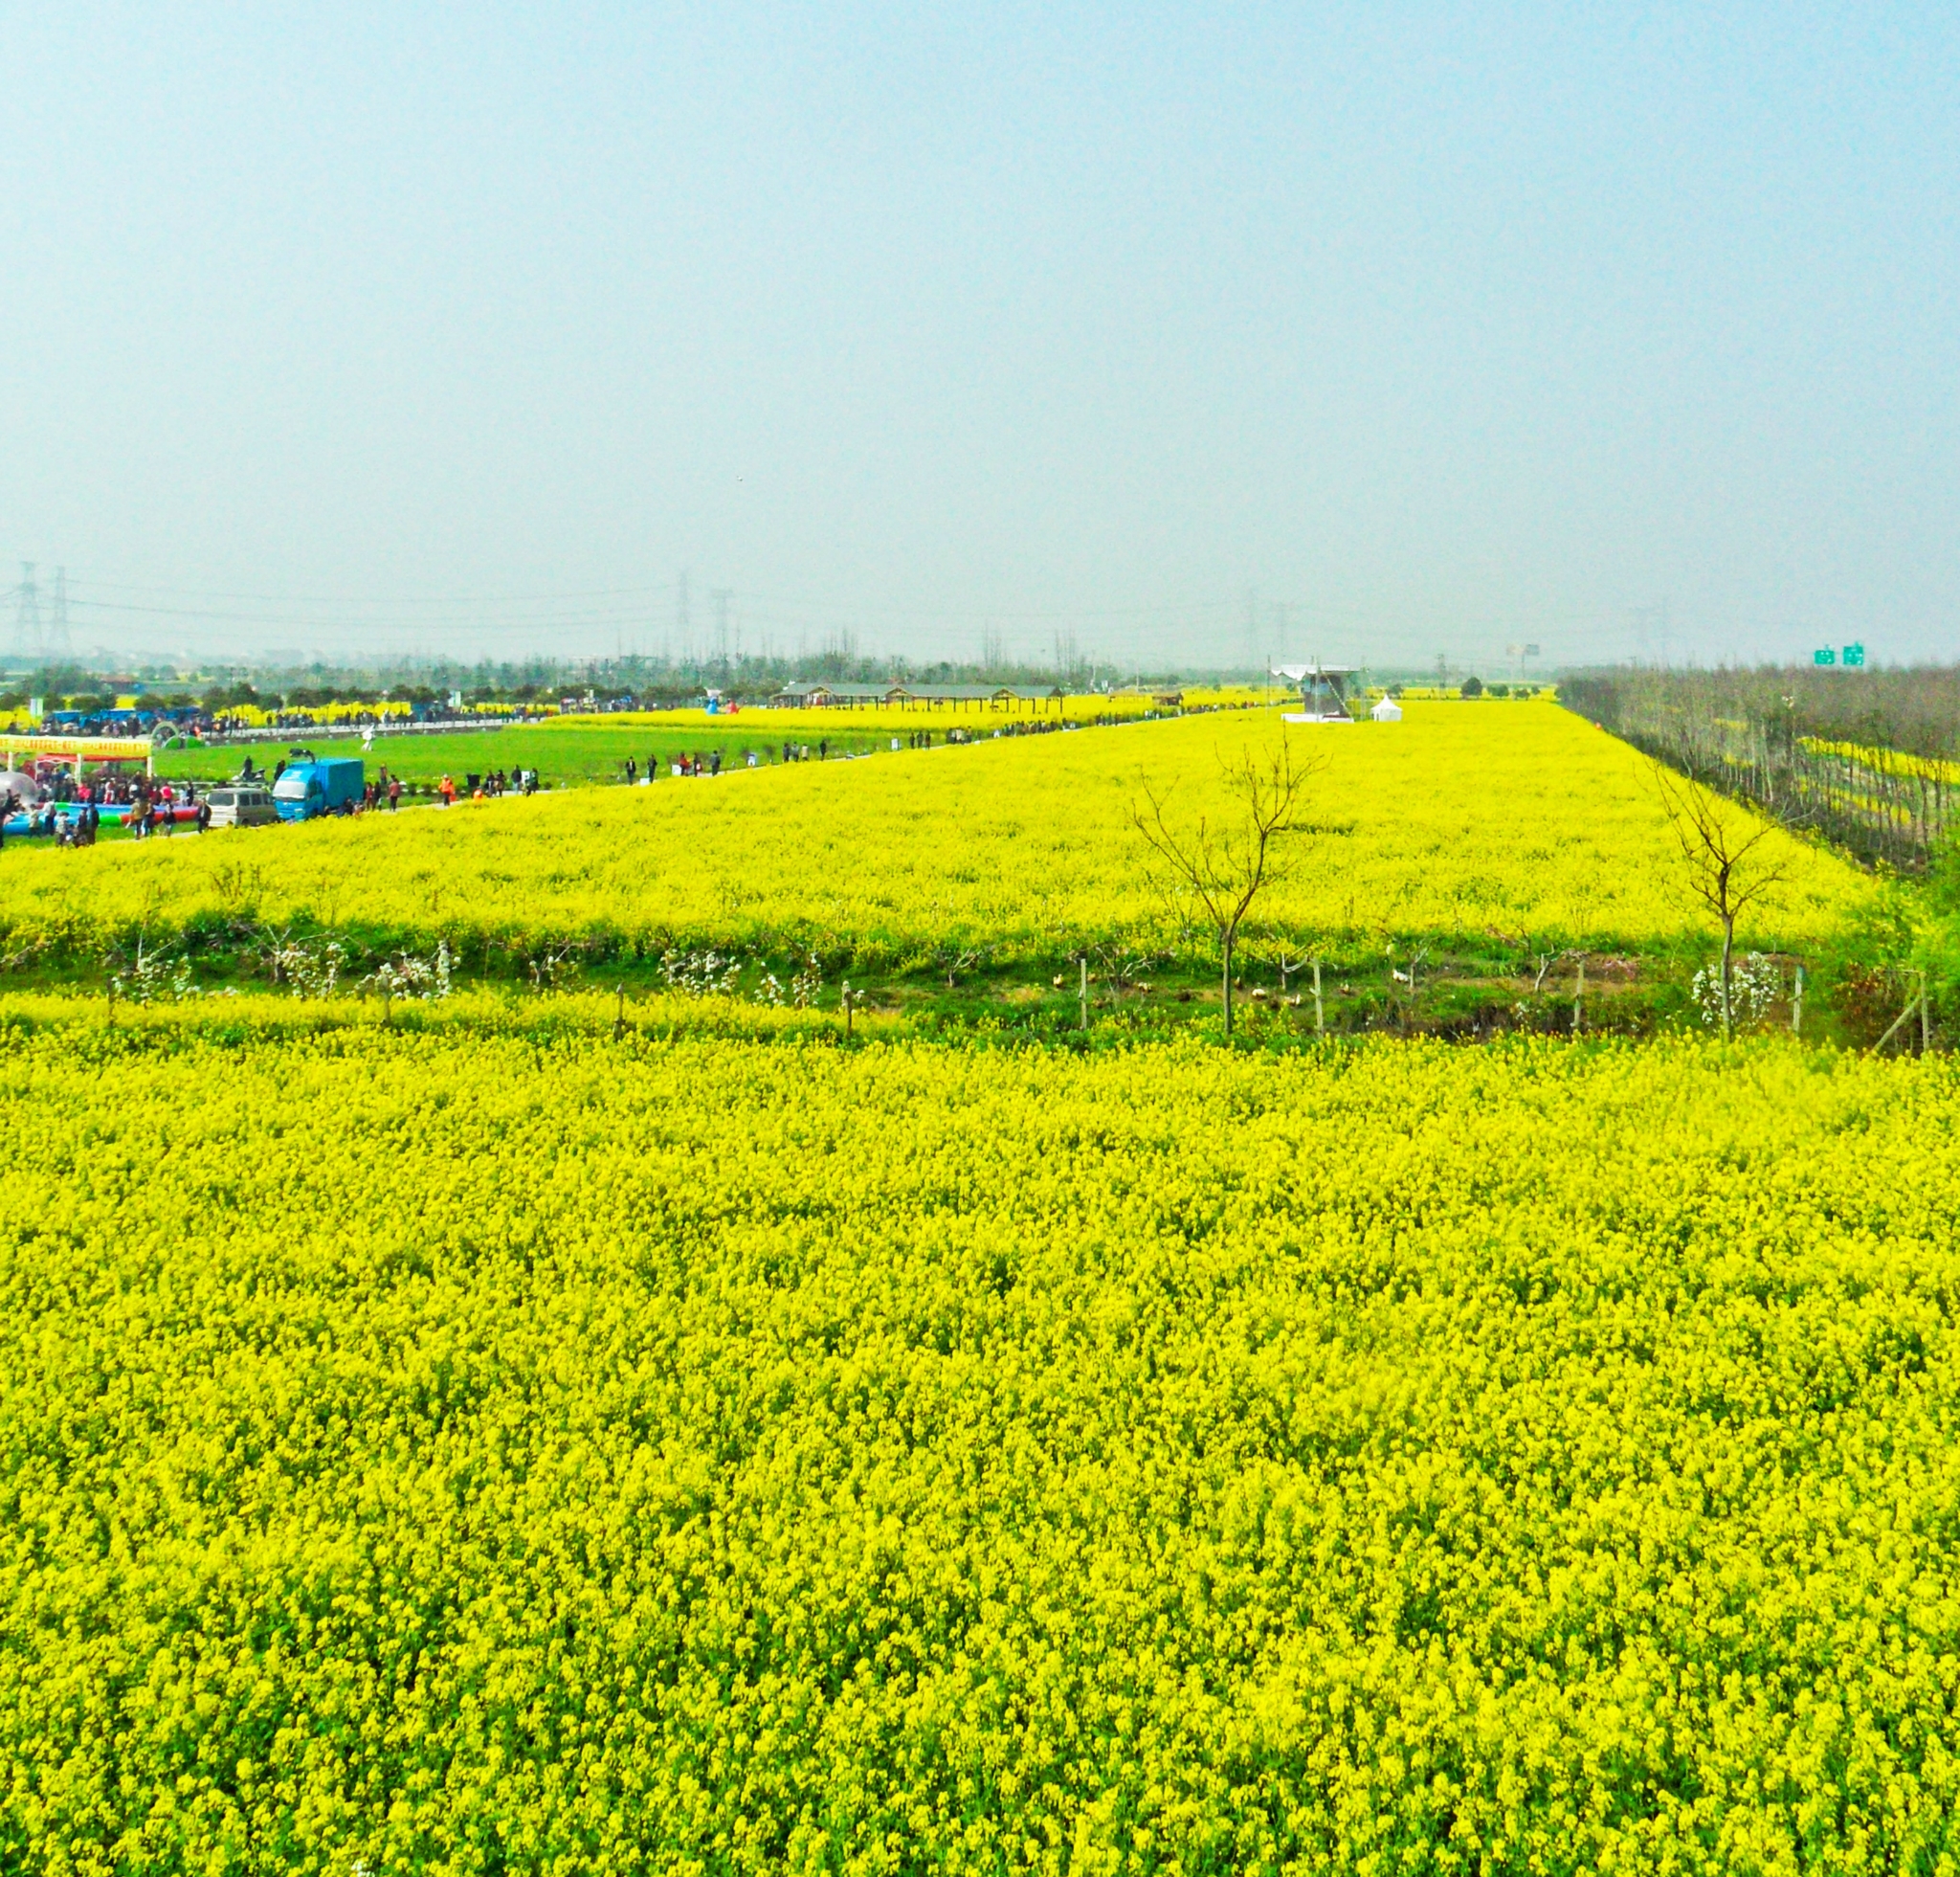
x=240, y=807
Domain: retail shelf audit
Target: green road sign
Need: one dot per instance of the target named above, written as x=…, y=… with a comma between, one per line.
x=1826, y=657
x=1854, y=654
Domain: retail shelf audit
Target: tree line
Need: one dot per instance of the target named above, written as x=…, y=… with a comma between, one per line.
x=1870, y=760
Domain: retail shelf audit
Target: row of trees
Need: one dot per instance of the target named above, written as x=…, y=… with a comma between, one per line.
x=1220, y=864
x=1866, y=759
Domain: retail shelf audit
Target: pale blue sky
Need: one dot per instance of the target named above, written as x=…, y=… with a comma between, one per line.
x=1442, y=327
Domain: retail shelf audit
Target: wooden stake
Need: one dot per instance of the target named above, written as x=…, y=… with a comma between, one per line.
x=1320, y=1016
x=1083, y=994
x=1796, y=1005
x=1579, y=996
x=847, y=1009
x=1899, y=1022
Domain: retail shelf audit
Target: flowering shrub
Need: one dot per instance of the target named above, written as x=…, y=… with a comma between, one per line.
x=307, y=971
x=154, y=976
x=409, y=977
x=1754, y=983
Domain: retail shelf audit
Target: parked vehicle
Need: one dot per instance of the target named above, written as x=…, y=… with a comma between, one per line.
x=240, y=807
x=328, y=786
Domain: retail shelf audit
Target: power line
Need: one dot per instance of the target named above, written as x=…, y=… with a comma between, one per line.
x=571, y=598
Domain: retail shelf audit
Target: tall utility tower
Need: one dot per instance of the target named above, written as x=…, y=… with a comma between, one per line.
x=683, y=628
x=28, y=627
x=724, y=597
x=1650, y=624
x=58, y=641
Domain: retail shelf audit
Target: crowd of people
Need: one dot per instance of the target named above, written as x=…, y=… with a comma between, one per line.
x=485, y=788
x=71, y=812
x=70, y=809
x=110, y=788
x=708, y=762
x=161, y=812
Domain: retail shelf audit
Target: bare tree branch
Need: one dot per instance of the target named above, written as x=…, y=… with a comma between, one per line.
x=1727, y=869
x=1226, y=867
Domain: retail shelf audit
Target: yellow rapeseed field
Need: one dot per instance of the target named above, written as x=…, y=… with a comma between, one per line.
x=1520, y=820
x=1886, y=761
x=485, y=1447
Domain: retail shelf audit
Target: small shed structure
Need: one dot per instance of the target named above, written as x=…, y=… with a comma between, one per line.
x=826, y=697
x=1323, y=692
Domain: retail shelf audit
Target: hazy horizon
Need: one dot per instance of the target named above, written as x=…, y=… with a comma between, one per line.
x=1192, y=339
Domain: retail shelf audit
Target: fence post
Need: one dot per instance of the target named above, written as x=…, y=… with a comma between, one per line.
x=1320, y=1016
x=1083, y=992
x=1914, y=1004
x=1579, y=996
x=1796, y=1005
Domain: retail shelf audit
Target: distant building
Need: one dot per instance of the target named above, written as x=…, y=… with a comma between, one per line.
x=1323, y=692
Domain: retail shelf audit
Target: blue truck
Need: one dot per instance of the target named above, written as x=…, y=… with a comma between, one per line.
x=307, y=790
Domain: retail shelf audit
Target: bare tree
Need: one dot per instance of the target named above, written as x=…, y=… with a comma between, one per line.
x=1728, y=868
x=1224, y=863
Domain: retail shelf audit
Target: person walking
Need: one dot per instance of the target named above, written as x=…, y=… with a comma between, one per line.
x=203, y=816
x=395, y=792
x=446, y=788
